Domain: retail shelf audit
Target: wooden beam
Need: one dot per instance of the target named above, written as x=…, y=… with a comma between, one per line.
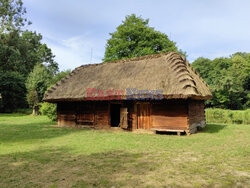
x=167, y=130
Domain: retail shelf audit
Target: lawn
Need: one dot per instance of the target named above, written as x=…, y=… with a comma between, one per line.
x=36, y=153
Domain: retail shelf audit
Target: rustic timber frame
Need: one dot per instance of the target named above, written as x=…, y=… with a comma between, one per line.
x=167, y=115
x=123, y=94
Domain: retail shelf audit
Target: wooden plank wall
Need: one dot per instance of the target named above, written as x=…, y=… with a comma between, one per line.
x=66, y=114
x=196, y=113
x=166, y=114
x=171, y=114
x=85, y=113
x=144, y=120
x=102, y=119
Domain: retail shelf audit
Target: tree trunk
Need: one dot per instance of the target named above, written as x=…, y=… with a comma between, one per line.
x=35, y=111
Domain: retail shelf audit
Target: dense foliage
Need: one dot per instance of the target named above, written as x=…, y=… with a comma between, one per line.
x=20, y=51
x=135, y=38
x=12, y=89
x=37, y=83
x=215, y=115
x=229, y=80
x=12, y=15
x=49, y=110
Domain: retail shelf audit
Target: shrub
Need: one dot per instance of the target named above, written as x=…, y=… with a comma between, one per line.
x=49, y=109
x=228, y=116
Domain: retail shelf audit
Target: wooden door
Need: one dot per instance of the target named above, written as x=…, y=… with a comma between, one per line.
x=144, y=116
x=124, y=118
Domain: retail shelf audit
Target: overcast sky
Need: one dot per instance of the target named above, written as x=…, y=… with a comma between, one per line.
x=207, y=28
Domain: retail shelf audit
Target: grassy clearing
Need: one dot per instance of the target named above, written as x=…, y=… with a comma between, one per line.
x=227, y=116
x=35, y=153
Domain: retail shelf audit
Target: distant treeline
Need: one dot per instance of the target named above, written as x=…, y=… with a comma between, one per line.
x=228, y=78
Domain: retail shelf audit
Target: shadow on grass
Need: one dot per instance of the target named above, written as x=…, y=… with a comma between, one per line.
x=31, y=131
x=213, y=128
x=59, y=167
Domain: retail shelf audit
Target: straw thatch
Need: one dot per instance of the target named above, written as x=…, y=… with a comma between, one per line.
x=169, y=72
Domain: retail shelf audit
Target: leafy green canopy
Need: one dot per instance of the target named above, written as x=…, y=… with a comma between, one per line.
x=49, y=109
x=228, y=78
x=12, y=90
x=12, y=15
x=20, y=51
x=37, y=83
x=135, y=38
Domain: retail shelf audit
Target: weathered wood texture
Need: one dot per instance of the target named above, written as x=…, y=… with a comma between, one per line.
x=102, y=119
x=66, y=114
x=166, y=114
x=144, y=116
x=170, y=115
x=83, y=113
x=196, y=115
x=124, y=117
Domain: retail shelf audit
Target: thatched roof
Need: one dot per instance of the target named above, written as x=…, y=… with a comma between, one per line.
x=169, y=72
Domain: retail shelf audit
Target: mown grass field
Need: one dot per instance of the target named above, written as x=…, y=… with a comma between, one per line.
x=35, y=153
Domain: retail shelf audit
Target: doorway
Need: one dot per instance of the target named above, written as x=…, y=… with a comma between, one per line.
x=115, y=115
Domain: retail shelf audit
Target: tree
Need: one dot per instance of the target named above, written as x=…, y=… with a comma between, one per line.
x=12, y=15
x=12, y=89
x=135, y=38
x=49, y=109
x=20, y=50
x=228, y=79
x=203, y=67
x=59, y=76
x=37, y=83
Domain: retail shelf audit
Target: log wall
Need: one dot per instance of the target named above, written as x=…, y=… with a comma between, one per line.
x=66, y=114
x=144, y=120
x=170, y=114
x=196, y=115
x=92, y=113
x=165, y=114
x=83, y=113
x=102, y=119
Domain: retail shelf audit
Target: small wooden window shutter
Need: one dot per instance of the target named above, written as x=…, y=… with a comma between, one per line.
x=124, y=118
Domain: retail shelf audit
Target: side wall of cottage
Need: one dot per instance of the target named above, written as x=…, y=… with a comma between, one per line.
x=170, y=114
x=196, y=115
x=77, y=114
x=175, y=114
x=91, y=113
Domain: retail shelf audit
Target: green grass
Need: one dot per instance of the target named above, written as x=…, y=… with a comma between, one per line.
x=227, y=116
x=35, y=153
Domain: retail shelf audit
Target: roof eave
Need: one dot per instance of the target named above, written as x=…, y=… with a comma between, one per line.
x=125, y=97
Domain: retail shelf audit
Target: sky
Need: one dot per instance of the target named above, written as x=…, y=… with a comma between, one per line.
x=77, y=30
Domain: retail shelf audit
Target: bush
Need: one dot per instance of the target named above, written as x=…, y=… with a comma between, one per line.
x=49, y=109
x=228, y=116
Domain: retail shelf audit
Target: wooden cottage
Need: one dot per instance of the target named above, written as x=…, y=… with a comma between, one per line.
x=160, y=92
